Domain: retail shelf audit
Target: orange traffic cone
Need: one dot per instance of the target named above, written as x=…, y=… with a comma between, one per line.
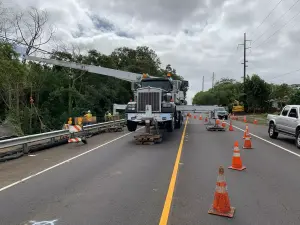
x=247, y=143
x=221, y=205
x=236, y=158
x=200, y=117
x=217, y=122
x=255, y=121
x=230, y=126
x=195, y=117
x=223, y=123
x=246, y=132
x=206, y=120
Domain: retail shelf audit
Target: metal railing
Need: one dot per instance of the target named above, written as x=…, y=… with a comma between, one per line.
x=25, y=140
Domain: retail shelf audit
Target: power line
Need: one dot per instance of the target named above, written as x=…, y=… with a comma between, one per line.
x=279, y=29
x=275, y=22
x=268, y=15
x=284, y=74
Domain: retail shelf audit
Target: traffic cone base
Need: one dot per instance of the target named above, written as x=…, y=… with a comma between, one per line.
x=221, y=204
x=247, y=148
x=214, y=212
x=239, y=169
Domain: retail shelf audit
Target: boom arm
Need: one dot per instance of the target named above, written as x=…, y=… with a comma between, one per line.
x=123, y=75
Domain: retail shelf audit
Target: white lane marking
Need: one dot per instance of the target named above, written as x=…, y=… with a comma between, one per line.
x=43, y=222
x=269, y=142
x=63, y=162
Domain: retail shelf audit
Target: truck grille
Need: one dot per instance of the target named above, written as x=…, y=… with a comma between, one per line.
x=148, y=98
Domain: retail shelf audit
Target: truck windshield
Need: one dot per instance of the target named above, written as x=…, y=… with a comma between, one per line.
x=165, y=85
x=221, y=109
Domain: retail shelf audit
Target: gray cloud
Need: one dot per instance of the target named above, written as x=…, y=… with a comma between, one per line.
x=197, y=37
x=102, y=23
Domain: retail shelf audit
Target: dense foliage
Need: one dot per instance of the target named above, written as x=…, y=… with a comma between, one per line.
x=256, y=94
x=59, y=93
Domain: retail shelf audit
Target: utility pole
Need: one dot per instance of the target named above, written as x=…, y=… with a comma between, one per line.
x=245, y=62
x=202, y=83
x=213, y=80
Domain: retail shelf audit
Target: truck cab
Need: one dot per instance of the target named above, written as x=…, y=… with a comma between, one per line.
x=156, y=99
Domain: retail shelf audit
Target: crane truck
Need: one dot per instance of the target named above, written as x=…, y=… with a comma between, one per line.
x=156, y=99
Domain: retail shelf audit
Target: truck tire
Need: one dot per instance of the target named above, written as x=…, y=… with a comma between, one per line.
x=171, y=125
x=272, y=131
x=298, y=138
x=179, y=121
x=131, y=126
x=226, y=117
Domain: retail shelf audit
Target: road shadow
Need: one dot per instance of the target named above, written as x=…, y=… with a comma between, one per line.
x=288, y=140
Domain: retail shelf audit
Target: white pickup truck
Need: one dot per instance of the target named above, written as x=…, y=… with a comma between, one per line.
x=287, y=123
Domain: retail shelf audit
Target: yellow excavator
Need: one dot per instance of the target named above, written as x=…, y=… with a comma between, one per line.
x=237, y=107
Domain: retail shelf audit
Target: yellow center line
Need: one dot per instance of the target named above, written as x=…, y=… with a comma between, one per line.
x=167, y=206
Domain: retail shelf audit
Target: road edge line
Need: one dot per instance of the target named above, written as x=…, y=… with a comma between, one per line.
x=63, y=162
x=169, y=197
x=269, y=142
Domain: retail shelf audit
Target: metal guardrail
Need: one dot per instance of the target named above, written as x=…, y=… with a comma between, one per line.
x=25, y=140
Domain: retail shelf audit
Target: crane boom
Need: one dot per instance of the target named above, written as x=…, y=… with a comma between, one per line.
x=123, y=75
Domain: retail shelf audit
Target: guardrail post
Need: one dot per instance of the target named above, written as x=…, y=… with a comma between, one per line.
x=52, y=140
x=25, y=148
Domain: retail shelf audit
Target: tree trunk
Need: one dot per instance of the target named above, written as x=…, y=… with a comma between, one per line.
x=30, y=115
x=17, y=103
x=9, y=96
x=70, y=99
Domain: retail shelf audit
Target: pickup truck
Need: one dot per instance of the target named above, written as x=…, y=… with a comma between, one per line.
x=221, y=113
x=287, y=123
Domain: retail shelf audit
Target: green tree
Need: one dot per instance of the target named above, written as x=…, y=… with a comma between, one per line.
x=295, y=98
x=13, y=82
x=205, y=98
x=257, y=92
x=224, y=92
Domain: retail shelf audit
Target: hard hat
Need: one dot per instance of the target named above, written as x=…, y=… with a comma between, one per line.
x=89, y=111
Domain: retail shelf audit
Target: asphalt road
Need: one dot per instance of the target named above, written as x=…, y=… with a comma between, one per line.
x=124, y=183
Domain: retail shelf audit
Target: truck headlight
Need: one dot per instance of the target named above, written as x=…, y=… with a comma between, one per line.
x=166, y=105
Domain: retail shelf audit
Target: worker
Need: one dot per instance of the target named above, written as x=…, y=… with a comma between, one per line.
x=88, y=117
x=108, y=116
x=80, y=121
x=70, y=121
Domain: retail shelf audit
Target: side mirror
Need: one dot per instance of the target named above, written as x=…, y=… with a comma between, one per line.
x=184, y=84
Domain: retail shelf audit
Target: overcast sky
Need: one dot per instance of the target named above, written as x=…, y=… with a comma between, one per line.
x=197, y=37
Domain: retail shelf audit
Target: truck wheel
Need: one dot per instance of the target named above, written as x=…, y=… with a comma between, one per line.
x=171, y=125
x=298, y=139
x=272, y=131
x=179, y=121
x=131, y=126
